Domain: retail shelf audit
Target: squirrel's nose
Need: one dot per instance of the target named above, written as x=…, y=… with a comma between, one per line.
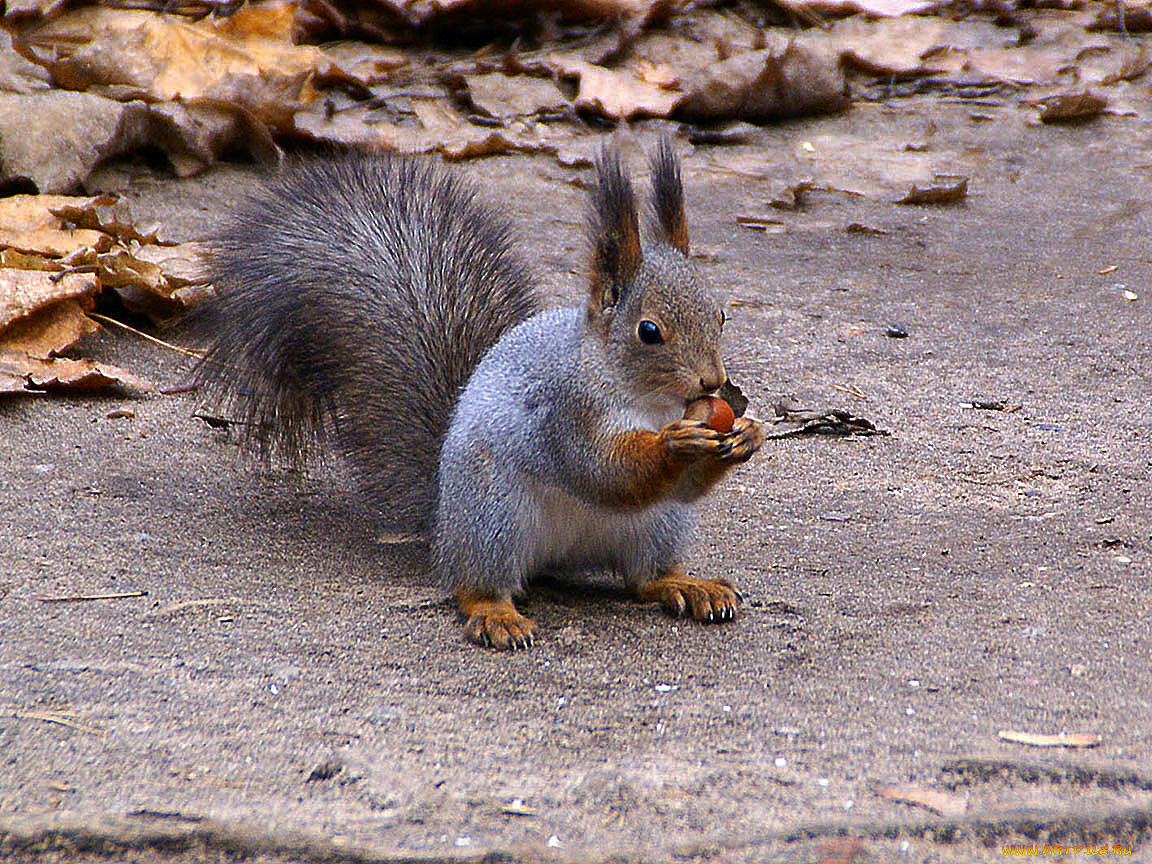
x=714, y=379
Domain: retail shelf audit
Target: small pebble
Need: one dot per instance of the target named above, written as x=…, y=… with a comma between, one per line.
x=895, y=331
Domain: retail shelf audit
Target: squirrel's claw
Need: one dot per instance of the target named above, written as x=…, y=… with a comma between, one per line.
x=746, y=437
x=495, y=623
x=709, y=600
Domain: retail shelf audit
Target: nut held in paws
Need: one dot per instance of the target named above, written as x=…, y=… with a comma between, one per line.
x=715, y=412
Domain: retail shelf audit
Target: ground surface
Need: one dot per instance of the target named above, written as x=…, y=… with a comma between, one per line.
x=293, y=688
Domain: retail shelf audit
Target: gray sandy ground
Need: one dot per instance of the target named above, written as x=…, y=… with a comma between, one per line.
x=293, y=688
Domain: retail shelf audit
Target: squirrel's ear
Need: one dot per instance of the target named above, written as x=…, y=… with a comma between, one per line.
x=614, y=230
x=668, y=197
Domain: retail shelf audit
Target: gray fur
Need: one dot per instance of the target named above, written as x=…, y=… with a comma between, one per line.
x=513, y=454
x=356, y=296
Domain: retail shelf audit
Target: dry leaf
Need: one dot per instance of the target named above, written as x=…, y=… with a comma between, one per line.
x=23, y=292
x=33, y=212
x=158, y=58
x=861, y=228
x=1072, y=108
x=617, y=95
x=760, y=85
x=1135, y=20
x=943, y=803
x=181, y=264
x=490, y=142
x=18, y=75
x=659, y=74
x=55, y=242
x=368, y=64
x=275, y=21
x=17, y=260
x=791, y=196
x=33, y=374
x=503, y=96
x=48, y=331
x=105, y=213
x=942, y=190
x=55, y=138
x=1062, y=739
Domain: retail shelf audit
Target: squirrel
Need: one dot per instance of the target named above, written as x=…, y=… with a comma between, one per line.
x=374, y=301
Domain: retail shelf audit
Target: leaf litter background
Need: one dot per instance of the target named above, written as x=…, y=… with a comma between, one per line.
x=202, y=81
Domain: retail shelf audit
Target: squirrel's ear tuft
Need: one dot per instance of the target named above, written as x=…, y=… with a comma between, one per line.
x=614, y=230
x=668, y=198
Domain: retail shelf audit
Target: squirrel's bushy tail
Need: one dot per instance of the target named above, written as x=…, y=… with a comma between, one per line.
x=355, y=297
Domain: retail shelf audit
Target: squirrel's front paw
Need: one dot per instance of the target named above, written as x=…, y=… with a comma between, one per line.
x=693, y=439
x=708, y=600
x=746, y=438
x=495, y=623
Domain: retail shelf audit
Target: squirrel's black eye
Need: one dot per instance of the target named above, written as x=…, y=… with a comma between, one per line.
x=649, y=333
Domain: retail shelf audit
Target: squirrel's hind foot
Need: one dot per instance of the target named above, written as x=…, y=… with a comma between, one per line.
x=707, y=600
x=494, y=622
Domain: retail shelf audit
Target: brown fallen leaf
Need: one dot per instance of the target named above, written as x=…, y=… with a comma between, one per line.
x=503, y=96
x=896, y=47
x=791, y=196
x=23, y=292
x=105, y=213
x=49, y=330
x=159, y=58
x=491, y=142
x=861, y=228
x=943, y=803
x=34, y=212
x=1123, y=18
x=28, y=224
x=763, y=85
x=659, y=74
x=368, y=64
x=1072, y=107
x=17, y=260
x=181, y=264
x=32, y=127
x=942, y=190
x=194, y=133
x=17, y=74
x=1062, y=739
x=616, y=94
x=20, y=373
